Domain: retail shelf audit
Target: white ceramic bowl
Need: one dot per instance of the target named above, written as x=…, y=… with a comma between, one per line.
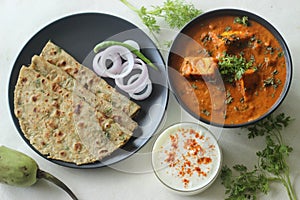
x=186, y=158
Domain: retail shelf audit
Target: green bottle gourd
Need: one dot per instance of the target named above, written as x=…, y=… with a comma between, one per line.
x=18, y=169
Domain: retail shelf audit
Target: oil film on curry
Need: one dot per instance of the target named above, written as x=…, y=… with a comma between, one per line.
x=227, y=69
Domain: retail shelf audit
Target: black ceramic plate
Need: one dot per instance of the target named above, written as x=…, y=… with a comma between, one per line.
x=78, y=34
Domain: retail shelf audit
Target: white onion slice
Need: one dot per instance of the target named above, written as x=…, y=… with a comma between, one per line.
x=144, y=95
x=124, y=65
x=102, y=70
x=139, y=80
x=139, y=87
x=113, y=52
x=141, y=92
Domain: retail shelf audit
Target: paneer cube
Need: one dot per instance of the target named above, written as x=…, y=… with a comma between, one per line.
x=204, y=67
x=248, y=83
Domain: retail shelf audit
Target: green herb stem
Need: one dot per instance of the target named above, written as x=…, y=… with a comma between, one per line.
x=286, y=185
x=176, y=13
x=289, y=187
x=278, y=136
x=272, y=163
x=129, y=5
x=286, y=182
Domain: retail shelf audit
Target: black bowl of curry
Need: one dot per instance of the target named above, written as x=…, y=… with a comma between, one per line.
x=229, y=68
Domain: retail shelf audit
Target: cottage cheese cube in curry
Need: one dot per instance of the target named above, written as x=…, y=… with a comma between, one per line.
x=248, y=83
x=230, y=41
x=204, y=67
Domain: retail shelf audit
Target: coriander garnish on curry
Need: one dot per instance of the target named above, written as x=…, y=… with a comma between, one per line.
x=234, y=69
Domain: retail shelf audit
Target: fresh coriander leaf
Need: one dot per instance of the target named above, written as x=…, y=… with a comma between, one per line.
x=194, y=86
x=280, y=54
x=272, y=160
x=242, y=20
x=229, y=98
x=269, y=81
x=242, y=184
x=205, y=112
x=168, y=43
x=240, y=168
x=232, y=67
x=226, y=176
x=176, y=14
x=227, y=28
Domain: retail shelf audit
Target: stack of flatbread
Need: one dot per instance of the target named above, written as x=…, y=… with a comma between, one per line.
x=69, y=113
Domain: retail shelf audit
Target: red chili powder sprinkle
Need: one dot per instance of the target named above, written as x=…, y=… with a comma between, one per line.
x=192, y=131
x=197, y=134
x=187, y=163
x=200, y=172
x=194, y=146
x=204, y=160
x=171, y=158
x=187, y=168
x=201, y=137
x=174, y=141
x=186, y=182
x=181, y=173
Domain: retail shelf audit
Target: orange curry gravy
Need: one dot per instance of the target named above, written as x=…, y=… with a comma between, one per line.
x=216, y=99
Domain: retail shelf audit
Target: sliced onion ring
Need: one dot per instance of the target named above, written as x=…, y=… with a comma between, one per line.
x=141, y=79
x=138, y=84
x=102, y=70
x=140, y=94
x=112, y=52
x=139, y=87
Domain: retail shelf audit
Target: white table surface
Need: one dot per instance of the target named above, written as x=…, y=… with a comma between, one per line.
x=133, y=178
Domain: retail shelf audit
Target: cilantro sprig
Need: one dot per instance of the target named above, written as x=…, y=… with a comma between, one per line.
x=232, y=67
x=242, y=20
x=241, y=183
x=176, y=13
x=246, y=184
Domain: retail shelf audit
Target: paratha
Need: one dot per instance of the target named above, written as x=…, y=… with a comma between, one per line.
x=59, y=57
x=60, y=124
x=62, y=78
